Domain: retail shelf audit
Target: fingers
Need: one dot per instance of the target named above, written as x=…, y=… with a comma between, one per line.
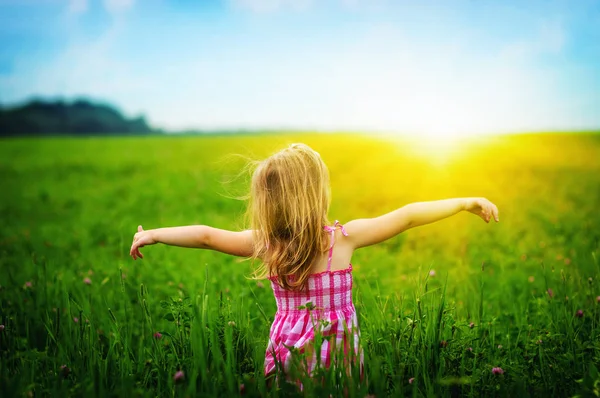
x=134, y=252
x=485, y=209
x=485, y=215
x=490, y=211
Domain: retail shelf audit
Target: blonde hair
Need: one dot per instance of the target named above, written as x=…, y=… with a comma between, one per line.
x=289, y=202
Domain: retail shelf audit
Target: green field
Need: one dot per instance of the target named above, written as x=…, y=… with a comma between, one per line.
x=505, y=295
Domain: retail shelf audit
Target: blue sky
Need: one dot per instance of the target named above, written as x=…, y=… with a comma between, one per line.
x=422, y=67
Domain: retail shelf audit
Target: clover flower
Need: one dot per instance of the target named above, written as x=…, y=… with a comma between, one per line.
x=178, y=376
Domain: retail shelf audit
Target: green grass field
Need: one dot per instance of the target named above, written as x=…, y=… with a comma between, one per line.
x=439, y=306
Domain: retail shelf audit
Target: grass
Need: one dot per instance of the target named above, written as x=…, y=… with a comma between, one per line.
x=504, y=295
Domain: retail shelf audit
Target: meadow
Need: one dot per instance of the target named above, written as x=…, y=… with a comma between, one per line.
x=457, y=308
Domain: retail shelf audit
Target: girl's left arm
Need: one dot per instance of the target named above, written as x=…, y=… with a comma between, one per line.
x=195, y=236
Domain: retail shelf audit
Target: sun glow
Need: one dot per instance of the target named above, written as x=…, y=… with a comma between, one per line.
x=440, y=143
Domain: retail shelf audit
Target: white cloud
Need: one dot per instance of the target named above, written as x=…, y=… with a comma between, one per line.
x=118, y=6
x=552, y=36
x=77, y=7
x=265, y=6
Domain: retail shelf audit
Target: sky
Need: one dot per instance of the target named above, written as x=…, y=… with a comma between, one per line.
x=447, y=67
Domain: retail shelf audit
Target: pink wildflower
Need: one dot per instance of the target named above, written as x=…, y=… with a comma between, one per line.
x=87, y=281
x=499, y=346
x=158, y=335
x=242, y=389
x=550, y=293
x=178, y=376
x=27, y=284
x=75, y=319
x=497, y=371
x=1, y=328
x=411, y=380
x=598, y=299
x=432, y=273
x=470, y=349
x=579, y=314
x=471, y=325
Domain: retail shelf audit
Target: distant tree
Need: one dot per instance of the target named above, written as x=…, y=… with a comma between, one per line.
x=81, y=117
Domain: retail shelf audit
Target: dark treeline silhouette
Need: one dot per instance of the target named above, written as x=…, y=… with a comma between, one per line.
x=80, y=117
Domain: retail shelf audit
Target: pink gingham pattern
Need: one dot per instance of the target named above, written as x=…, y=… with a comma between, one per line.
x=325, y=306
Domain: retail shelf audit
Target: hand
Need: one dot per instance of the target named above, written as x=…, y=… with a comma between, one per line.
x=140, y=239
x=482, y=208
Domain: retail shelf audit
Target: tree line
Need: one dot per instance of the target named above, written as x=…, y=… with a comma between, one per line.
x=80, y=117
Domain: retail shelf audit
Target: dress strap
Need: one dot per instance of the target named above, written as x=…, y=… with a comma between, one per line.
x=332, y=231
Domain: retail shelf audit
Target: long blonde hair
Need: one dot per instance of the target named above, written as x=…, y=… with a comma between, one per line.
x=289, y=202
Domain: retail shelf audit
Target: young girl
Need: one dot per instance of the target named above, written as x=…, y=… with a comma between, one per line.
x=304, y=255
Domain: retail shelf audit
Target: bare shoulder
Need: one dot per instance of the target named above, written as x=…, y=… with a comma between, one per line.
x=356, y=230
x=370, y=231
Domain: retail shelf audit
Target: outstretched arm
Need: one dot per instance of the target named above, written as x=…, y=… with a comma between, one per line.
x=369, y=231
x=195, y=236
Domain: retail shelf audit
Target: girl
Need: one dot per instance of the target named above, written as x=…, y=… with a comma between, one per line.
x=294, y=240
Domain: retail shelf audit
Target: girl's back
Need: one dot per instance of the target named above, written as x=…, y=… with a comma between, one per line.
x=323, y=308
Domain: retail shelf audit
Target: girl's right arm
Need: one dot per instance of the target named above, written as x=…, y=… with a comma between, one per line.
x=195, y=236
x=369, y=231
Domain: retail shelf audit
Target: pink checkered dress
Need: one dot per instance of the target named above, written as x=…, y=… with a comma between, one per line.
x=325, y=306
